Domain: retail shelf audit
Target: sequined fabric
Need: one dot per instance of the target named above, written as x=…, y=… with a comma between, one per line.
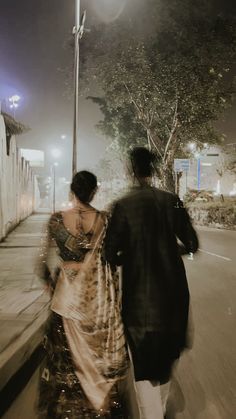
x=61, y=395
x=61, y=391
x=70, y=247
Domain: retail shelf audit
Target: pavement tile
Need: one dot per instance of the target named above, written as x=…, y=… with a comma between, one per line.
x=21, y=294
x=10, y=330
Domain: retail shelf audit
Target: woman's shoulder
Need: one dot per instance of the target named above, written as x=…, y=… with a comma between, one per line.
x=54, y=221
x=103, y=213
x=56, y=216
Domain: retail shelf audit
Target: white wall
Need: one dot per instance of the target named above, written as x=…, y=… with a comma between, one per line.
x=17, y=185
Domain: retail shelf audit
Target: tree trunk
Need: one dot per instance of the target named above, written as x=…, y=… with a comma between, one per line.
x=166, y=179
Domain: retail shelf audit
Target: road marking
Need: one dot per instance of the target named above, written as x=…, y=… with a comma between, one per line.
x=214, y=254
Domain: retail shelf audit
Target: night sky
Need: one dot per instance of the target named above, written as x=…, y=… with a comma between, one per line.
x=34, y=46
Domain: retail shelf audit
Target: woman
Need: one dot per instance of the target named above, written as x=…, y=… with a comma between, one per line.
x=86, y=354
x=142, y=237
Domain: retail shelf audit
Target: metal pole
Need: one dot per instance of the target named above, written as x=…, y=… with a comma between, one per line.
x=76, y=86
x=54, y=189
x=198, y=174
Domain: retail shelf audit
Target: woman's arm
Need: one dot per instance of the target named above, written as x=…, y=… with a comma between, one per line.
x=47, y=245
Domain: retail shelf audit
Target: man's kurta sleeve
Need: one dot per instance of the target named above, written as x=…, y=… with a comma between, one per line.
x=184, y=229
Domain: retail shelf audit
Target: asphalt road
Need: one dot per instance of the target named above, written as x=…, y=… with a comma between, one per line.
x=204, y=383
x=204, y=386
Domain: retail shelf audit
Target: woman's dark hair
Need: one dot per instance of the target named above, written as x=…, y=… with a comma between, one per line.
x=142, y=161
x=84, y=185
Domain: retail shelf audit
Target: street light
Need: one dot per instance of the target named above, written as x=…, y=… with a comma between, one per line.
x=55, y=164
x=56, y=153
x=192, y=146
x=14, y=102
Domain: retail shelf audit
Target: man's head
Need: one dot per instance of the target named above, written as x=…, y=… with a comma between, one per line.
x=142, y=161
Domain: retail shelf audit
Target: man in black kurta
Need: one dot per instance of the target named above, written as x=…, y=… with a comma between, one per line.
x=142, y=237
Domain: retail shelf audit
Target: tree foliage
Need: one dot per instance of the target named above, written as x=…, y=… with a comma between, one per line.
x=166, y=86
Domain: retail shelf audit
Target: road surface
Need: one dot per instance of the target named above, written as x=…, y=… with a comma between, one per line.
x=204, y=384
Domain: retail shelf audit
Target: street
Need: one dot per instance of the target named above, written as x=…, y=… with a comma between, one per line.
x=204, y=382
x=204, y=386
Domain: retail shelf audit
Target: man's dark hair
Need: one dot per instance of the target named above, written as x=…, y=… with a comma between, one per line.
x=142, y=161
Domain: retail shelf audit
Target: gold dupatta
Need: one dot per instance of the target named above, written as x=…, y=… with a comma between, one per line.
x=87, y=296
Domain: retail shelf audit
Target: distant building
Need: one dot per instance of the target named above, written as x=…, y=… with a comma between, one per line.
x=34, y=157
x=212, y=169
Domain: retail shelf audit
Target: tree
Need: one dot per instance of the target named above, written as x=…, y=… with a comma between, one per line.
x=13, y=127
x=166, y=87
x=104, y=169
x=226, y=163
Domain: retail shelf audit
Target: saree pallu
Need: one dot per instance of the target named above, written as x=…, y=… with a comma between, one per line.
x=61, y=395
x=87, y=297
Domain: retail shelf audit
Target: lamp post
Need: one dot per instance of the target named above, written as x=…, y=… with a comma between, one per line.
x=55, y=164
x=78, y=31
x=14, y=103
x=198, y=173
x=56, y=153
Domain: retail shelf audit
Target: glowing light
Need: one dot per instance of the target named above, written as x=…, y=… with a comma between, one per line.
x=13, y=101
x=63, y=136
x=56, y=153
x=192, y=146
x=14, y=98
x=55, y=164
x=109, y=11
x=218, y=188
x=233, y=191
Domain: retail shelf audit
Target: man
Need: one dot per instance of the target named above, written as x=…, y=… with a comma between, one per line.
x=142, y=237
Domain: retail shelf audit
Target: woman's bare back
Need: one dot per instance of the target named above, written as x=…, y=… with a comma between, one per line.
x=79, y=220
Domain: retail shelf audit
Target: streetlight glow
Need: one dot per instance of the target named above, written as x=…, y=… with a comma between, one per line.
x=56, y=153
x=14, y=102
x=192, y=146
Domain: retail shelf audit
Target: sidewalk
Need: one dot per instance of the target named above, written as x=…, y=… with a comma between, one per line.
x=23, y=301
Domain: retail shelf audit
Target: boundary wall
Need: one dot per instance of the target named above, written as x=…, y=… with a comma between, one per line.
x=18, y=185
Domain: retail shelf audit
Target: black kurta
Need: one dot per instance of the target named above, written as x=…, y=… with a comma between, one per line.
x=142, y=237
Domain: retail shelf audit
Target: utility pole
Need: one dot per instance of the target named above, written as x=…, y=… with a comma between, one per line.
x=54, y=186
x=198, y=174
x=78, y=31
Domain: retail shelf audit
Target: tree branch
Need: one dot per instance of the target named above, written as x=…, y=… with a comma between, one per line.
x=174, y=126
x=140, y=113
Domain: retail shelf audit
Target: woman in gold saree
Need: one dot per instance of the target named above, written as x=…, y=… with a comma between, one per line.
x=86, y=363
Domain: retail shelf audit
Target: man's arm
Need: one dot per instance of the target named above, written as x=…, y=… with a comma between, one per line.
x=184, y=229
